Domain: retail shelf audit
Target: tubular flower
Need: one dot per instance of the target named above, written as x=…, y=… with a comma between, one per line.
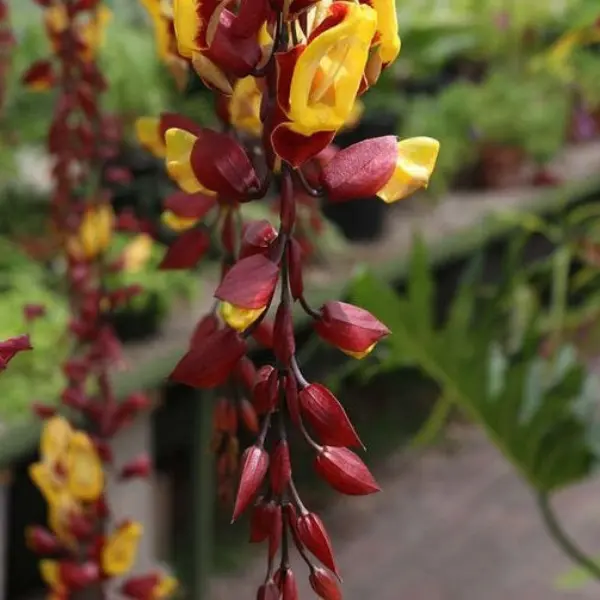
x=382, y=166
x=94, y=234
x=220, y=46
x=120, y=550
x=317, y=82
x=150, y=131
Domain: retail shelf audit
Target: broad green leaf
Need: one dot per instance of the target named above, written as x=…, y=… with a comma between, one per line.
x=433, y=426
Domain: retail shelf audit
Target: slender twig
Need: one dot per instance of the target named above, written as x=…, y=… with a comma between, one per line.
x=562, y=540
x=308, y=309
x=309, y=189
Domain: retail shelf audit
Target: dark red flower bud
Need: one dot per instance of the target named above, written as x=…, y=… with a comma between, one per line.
x=263, y=333
x=221, y=164
x=360, y=170
x=313, y=535
x=261, y=520
x=350, y=328
x=87, y=101
x=75, y=398
x=186, y=251
x=42, y=541
x=266, y=389
x=248, y=416
x=312, y=168
x=250, y=283
x=225, y=417
x=40, y=74
x=140, y=466
x=291, y=398
x=268, y=591
x=77, y=576
x=43, y=411
x=327, y=416
x=205, y=327
x=295, y=266
x=141, y=587
x=190, y=206
x=284, y=343
x=11, y=347
x=76, y=369
x=104, y=450
x=324, y=584
x=345, y=472
x=286, y=581
x=137, y=402
x=276, y=531
x=33, y=311
x=246, y=372
x=255, y=463
x=281, y=467
x=81, y=526
x=257, y=238
x=210, y=364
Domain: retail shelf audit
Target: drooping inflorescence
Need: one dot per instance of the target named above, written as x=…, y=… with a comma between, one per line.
x=287, y=76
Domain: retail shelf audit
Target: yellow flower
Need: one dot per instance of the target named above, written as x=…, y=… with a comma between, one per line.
x=55, y=439
x=137, y=253
x=414, y=166
x=120, y=550
x=50, y=572
x=95, y=233
x=324, y=77
x=147, y=131
x=93, y=31
x=179, y=145
x=165, y=588
x=60, y=511
x=175, y=223
x=239, y=318
x=85, y=475
x=155, y=9
x=244, y=106
x=388, y=41
x=43, y=477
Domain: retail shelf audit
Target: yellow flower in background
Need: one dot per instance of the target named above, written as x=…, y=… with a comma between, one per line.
x=50, y=572
x=137, y=253
x=239, y=318
x=165, y=588
x=414, y=166
x=93, y=31
x=244, y=106
x=120, y=550
x=85, y=474
x=175, y=223
x=155, y=9
x=46, y=480
x=60, y=512
x=179, y=145
x=95, y=233
x=148, y=133
x=55, y=439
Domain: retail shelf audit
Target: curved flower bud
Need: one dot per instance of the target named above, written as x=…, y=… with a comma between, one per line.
x=324, y=584
x=352, y=329
x=312, y=534
x=317, y=83
x=281, y=467
x=120, y=550
x=11, y=347
x=345, y=472
x=40, y=76
x=257, y=237
x=255, y=463
x=392, y=170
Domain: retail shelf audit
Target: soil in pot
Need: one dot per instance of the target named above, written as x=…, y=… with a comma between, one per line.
x=362, y=219
x=502, y=166
x=139, y=322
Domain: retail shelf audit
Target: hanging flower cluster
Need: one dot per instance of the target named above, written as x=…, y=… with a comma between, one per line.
x=83, y=547
x=287, y=76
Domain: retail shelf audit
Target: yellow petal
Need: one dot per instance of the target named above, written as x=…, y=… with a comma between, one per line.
x=387, y=27
x=179, y=145
x=245, y=104
x=42, y=478
x=50, y=572
x=55, y=439
x=85, y=473
x=56, y=18
x=60, y=511
x=95, y=233
x=359, y=355
x=211, y=74
x=414, y=166
x=147, y=131
x=165, y=588
x=355, y=116
x=187, y=26
x=137, y=253
x=239, y=318
x=120, y=550
x=328, y=73
x=175, y=223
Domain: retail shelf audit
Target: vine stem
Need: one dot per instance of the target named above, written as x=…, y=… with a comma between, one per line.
x=562, y=540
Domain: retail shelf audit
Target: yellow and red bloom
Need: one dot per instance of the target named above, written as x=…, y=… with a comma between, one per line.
x=150, y=131
x=94, y=234
x=120, y=550
x=383, y=166
x=350, y=328
x=244, y=106
x=85, y=474
x=154, y=586
x=317, y=82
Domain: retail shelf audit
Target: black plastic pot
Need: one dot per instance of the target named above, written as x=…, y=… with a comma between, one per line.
x=137, y=323
x=362, y=219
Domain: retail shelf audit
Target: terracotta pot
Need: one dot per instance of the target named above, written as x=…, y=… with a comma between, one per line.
x=502, y=166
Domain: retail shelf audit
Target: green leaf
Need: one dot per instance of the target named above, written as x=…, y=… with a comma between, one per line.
x=433, y=426
x=420, y=289
x=576, y=578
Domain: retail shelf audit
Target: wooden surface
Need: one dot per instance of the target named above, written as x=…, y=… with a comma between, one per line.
x=448, y=525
